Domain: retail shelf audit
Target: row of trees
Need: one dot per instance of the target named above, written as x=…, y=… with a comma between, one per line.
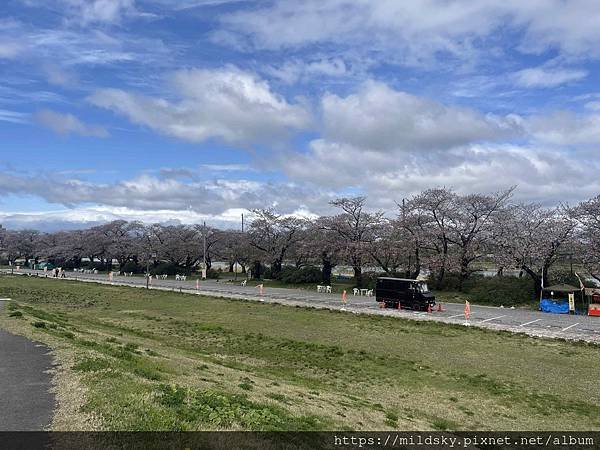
x=438, y=229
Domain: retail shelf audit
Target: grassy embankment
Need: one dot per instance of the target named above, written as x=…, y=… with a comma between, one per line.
x=138, y=360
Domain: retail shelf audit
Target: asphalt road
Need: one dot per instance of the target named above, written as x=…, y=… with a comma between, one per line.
x=26, y=403
x=535, y=323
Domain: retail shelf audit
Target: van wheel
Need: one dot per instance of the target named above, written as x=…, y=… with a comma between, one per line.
x=416, y=306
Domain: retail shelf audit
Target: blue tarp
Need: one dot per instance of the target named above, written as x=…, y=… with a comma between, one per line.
x=554, y=306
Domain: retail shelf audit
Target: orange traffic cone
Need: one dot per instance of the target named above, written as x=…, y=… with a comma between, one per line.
x=429, y=308
x=399, y=305
x=344, y=296
x=440, y=308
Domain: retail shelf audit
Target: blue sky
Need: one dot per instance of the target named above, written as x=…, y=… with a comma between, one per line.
x=193, y=110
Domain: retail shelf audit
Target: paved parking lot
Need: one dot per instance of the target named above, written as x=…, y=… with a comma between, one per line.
x=535, y=323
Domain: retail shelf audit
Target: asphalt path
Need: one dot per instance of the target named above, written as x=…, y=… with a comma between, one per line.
x=532, y=322
x=26, y=403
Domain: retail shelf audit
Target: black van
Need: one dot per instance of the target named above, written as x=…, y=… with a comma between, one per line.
x=412, y=294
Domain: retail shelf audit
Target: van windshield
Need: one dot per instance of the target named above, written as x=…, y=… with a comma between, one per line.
x=422, y=287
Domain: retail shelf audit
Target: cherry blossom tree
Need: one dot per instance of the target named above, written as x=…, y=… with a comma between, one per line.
x=323, y=246
x=587, y=215
x=274, y=235
x=470, y=225
x=180, y=245
x=356, y=230
x=531, y=237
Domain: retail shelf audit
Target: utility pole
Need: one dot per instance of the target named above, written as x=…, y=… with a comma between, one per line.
x=403, y=210
x=204, y=246
x=571, y=262
x=148, y=272
x=204, y=243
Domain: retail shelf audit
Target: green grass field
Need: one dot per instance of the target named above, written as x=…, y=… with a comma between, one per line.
x=147, y=360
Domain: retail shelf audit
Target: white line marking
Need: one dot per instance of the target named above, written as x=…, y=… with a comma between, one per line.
x=458, y=315
x=493, y=318
x=5, y=299
x=570, y=326
x=528, y=323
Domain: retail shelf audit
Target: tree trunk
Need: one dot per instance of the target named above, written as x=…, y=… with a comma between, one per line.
x=326, y=271
x=256, y=270
x=545, y=269
x=275, y=268
x=417, y=271
x=464, y=272
x=231, y=264
x=537, y=281
x=442, y=273
x=358, y=279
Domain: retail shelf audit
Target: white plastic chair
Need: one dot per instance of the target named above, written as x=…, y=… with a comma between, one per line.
x=355, y=291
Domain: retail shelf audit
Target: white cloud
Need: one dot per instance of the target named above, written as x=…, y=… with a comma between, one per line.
x=100, y=11
x=227, y=103
x=296, y=70
x=228, y=167
x=569, y=26
x=565, y=128
x=541, y=174
x=58, y=49
x=88, y=216
x=593, y=105
x=59, y=76
x=415, y=29
x=150, y=193
x=67, y=124
x=547, y=77
x=13, y=116
x=179, y=5
x=389, y=144
x=9, y=50
x=418, y=29
x=380, y=118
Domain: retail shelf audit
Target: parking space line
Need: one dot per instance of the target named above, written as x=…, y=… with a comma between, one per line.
x=493, y=318
x=457, y=315
x=570, y=326
x=529, y=323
